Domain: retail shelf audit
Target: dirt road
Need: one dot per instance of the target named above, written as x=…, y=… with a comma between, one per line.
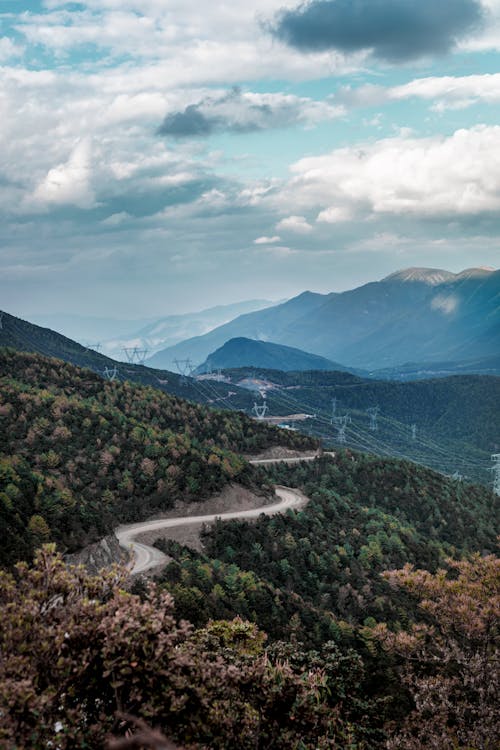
x=146, y=557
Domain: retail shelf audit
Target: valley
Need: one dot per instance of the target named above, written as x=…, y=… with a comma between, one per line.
x=291, y=515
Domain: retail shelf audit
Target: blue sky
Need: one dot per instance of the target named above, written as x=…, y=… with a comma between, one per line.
x=160, y=156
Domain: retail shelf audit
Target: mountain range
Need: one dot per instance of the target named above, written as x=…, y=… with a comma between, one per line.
x=417, y=315
x=113, y=336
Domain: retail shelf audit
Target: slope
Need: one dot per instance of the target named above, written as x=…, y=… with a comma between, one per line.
x=417, y=315
x=78, y=454
x=243, y=352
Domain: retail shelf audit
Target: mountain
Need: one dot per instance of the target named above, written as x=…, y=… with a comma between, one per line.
x=243, y=352
x=415, y=315
x=113, y=336
x=262, y=325
x=24, y=336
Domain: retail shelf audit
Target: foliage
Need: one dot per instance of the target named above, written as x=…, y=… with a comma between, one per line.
x=365, y=515
x=78, y=455
x=451, y=659
x=76, y=650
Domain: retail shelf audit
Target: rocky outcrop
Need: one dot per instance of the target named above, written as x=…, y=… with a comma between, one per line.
x=99, y=555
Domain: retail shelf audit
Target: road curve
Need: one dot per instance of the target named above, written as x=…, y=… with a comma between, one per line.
x=146, y=557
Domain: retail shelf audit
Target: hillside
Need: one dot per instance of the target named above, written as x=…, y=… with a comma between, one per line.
x=243, y=352
x=366, y=515
x=79, y=455
x=417, y=315
x=24, y=336
x=456, y=419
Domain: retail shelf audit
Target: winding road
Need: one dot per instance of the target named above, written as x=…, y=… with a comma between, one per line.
x=146, y=557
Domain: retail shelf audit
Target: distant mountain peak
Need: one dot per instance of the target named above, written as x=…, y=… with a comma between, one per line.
x=431, y=276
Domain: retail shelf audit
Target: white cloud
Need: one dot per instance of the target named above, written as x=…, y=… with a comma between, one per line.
x=447, y=304
x=267, y=240
x=452, y=92
x=68, y=183
x=439, y=176
x=298, y=224
x=8, y=49
x=335, y=215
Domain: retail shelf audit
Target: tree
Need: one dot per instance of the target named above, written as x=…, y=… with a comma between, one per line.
x=451, y=660
x=78, y=652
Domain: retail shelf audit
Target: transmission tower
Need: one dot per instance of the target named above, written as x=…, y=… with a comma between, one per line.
x=1, y=319
x=260, y=409
x=94, y=347
x=413, y=431
x=110, y=374
x=496, y=473
x=135, y=355
x=457, y=476
x=334, y=410
x=373, y=412
x=341, y=423
x=185, y=369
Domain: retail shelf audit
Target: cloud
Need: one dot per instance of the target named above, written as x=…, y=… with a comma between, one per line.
x=9, y=49
x=446, y=304
x=297, y=224
x=239, y=112
x=267, y=240
x=68, y=183
x=335, y=215
x=453, y=92
x=393, y=30
x=437, y=177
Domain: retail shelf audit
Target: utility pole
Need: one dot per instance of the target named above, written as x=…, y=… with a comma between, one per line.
x=496, y=473
x=373, y=412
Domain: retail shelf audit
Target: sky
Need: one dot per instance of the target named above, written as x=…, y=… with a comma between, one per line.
x=163, y=156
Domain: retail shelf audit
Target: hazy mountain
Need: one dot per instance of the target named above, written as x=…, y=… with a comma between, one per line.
x=90, y=329
x=415, y=315
x=113, y=336
x=262, y=325
x=243, y=352
x=171, y=329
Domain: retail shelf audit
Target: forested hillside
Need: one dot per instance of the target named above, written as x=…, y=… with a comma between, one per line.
x=79, y=454
x=366, y=515
x=450, y=424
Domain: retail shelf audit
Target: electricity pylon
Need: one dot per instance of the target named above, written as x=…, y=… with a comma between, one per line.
x=496, y=473
x=334, y=410
x=260, y=409
x=373, y=412
x=413, y=431
x=135, y=355
x=110, y=374
x=185, y=368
